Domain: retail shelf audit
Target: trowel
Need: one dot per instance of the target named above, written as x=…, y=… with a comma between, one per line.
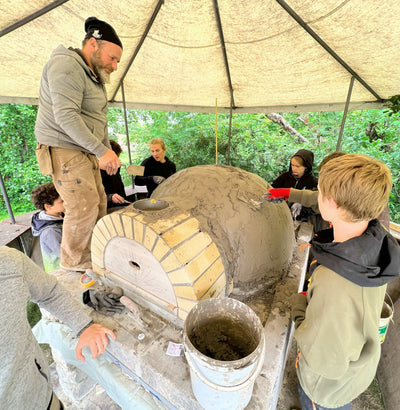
x=135, y=169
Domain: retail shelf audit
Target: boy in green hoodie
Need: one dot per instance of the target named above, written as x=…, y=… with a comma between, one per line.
x=336, y=322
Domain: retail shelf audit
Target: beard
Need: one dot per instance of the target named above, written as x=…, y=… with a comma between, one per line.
x=103, y=76
x=99, y=68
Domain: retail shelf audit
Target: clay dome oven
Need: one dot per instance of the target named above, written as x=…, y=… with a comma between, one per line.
x=211, y=234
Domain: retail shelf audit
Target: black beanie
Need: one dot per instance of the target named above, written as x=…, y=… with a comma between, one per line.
x=101, y=30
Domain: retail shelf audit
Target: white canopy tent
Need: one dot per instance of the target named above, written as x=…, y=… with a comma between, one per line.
x=191, y=55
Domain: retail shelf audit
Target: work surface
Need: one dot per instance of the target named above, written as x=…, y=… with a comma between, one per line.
x=139, y=354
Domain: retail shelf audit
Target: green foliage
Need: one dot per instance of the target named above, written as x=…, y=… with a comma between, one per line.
x=257, y=144
x=33, y=313
x=18, y=166
x=394, y=105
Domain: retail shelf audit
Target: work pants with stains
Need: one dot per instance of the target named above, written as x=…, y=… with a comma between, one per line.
x=77, y=179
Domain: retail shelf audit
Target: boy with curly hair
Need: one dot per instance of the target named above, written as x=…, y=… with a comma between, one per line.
x=47, y=223
x=336, y=322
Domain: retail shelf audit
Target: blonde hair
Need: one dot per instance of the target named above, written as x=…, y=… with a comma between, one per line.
x=359, y=184
x=330, y=156
x=159, y=141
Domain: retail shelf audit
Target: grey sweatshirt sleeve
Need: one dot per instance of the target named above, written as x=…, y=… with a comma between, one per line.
x=66, y=84
x=43, y=289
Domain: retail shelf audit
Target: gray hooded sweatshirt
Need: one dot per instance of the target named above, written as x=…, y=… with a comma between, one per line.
x=72, y=105
x=24, y=375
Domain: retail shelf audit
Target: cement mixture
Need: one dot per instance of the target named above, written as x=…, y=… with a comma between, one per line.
x=223, y=339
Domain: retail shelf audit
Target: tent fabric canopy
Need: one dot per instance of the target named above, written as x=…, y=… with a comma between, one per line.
x=194, y=55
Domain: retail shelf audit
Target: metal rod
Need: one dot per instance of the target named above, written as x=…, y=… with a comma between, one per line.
x=6, y=199
x=216, y=131
x=32, y=17
x=319, y=40
x=223, y=47
x=135, y=53
x=11, y=214
x=346, y=108
x=127, y=131
x=228, y=160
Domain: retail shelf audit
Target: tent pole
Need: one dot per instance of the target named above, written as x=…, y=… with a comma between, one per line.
x=33, y=16
x=141, y=41
x=216, y=131
x=228, y=159
x=346, y=108
x=328, y=49
x=127, y=131
x=6, y=199
x=223, y=47
x=11, y=214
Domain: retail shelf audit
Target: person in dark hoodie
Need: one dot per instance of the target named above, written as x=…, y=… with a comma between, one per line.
x=157, y=167
x=336, y=321
x=300, y=177
x=113, y=184
x=47, y=223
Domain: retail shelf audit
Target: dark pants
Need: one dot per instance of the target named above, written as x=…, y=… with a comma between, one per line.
x=308, y=404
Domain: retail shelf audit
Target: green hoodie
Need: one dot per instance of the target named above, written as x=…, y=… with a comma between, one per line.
x=337, y=336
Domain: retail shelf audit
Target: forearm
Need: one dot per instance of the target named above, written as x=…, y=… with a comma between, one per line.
x=47, y=292
x=305, y=197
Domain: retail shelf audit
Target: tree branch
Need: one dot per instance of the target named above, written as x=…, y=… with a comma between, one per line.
x=278, y=119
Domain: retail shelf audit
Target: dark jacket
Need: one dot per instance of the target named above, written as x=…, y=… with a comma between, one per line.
x=152, y=168
x=337, y=333
x=307, y=181
x=112, y=185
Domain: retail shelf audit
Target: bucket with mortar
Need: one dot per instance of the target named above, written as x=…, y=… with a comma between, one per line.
x=225, y=348
x=386, y=316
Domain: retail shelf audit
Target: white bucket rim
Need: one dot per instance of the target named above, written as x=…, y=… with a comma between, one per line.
x=229, y=389
x=238, y=363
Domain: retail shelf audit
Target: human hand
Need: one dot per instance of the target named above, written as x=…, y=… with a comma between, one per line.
x=298, y=304
x=277, y=194
x=95, y=336
x=110, y=162
x=117, y=199
x=158, y=179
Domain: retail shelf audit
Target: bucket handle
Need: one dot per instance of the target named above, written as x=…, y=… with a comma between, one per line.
x=391, y=303
x=214, y=386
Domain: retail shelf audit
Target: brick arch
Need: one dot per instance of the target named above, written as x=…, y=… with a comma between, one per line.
x=163, y=254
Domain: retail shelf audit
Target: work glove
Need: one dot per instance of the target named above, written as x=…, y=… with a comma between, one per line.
x=298, y=306
x=104, y=300
x=295, y=210
x=158, y=179
x=277, y=194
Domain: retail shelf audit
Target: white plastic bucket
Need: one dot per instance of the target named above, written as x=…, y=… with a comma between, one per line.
x=223, y=328
x=386, y=316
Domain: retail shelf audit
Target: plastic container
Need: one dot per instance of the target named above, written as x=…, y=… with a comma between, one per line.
x=386, y=316
x=216, y=331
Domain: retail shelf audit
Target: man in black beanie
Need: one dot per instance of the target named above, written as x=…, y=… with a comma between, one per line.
x=71, y=130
